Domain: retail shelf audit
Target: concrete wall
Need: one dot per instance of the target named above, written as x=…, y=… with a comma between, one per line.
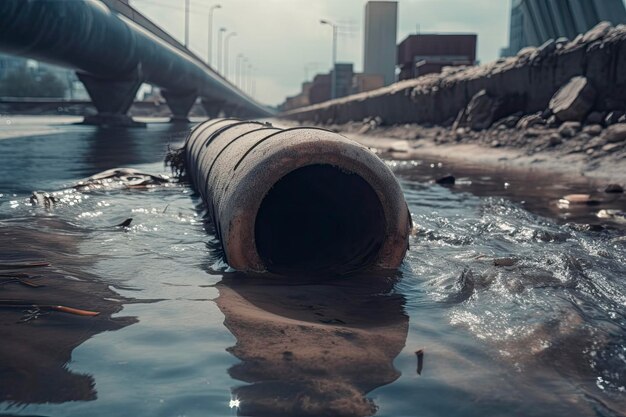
x=524, y=83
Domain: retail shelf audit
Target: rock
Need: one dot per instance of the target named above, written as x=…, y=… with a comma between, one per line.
x=555, y=139
x=614, y=188
x=569, y=129
x=611, y=147
x=526, y=52
x=595, y=117
x=596, y=32
x=546, y=114
x=574, y=100
x=495, y=143
x=561, y=42
x=364, y=129
x=615, y=133
x=505, y=261
x=533, y=133
x=552, y=121
x=509, y=121
x=616, y=215
x=613, y=117
x=593, y=143
x=529, y=121
x=544, y=50
x=400, y=146
x=480, y=111
x=593, y=130
x=447, y=180
x=579, y=199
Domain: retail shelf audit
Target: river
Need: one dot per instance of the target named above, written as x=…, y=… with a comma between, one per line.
x=506, y=303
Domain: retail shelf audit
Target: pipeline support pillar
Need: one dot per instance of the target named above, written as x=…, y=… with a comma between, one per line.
x=112, y=98
x=212, y=108
x=180, y=104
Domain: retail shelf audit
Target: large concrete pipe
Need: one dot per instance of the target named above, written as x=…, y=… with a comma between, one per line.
x=300, y=200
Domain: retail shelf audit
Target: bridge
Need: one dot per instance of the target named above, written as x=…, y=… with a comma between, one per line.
x=114, y=49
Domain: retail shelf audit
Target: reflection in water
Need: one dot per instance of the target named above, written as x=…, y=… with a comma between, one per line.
x=35, y=353
x=312, y=349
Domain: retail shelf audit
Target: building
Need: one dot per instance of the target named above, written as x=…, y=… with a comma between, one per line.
x=345, y=73
x=428, y=53
x=367, y=82
x=533, y=22
x=381, y=27
x=320, y=89
x=299, y=100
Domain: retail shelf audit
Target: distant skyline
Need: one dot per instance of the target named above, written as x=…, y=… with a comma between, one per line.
x=285, y=41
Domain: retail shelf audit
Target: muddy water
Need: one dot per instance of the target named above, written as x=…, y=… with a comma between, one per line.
x=517, y=306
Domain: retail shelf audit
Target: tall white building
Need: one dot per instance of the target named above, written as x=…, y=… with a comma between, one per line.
x=381, y=28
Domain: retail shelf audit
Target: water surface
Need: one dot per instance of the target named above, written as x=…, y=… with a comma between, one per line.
x=517, y=305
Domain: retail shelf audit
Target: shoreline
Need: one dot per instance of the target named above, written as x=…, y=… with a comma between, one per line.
x=478, y=148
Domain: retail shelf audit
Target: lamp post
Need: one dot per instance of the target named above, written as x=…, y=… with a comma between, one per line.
x=219, y=49
x=186, y=23
x=209, y=57
x=226, y=47
x=244, y=75
x=249, y=83
x=238, y=69
x=333, y=83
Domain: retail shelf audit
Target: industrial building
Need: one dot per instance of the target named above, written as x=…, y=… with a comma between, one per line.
x=533, y=22
x=428, y=53
x=381, y=28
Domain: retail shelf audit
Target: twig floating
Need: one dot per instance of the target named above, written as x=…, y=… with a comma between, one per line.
x=16, y=265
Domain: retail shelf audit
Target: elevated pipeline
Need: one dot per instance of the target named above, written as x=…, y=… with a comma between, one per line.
x=300, y=200
x=113, y=55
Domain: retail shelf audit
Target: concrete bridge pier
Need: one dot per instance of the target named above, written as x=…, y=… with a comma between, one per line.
x=180, y=104
x=112, y=98
x=212, y=108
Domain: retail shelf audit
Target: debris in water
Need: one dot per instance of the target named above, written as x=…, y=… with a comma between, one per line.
x=579, y=199
x=18, y=265
x=504, y=261
x=447, y=180
x=33, y=306
x=125, y=223
x=19, y=278
x=420, y=360
x=614, y=188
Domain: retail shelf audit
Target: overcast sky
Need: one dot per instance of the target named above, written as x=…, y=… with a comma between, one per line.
x=283, y=37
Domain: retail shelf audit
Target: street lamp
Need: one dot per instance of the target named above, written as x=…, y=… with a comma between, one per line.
x=333, y=83
x=244, y=75
x=238, y=69
x=186, y=23
x=209, y=58
x=219, y=49
x=249, y=86
x=226, y=47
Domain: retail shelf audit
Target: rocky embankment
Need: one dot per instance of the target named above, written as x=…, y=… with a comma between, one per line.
x=565, y=99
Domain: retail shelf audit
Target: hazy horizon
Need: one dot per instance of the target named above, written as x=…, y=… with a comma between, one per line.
x=286, y=43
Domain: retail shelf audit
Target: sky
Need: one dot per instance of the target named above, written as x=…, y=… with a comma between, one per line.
x=285, y=42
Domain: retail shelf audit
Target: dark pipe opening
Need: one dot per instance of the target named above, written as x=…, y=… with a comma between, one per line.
x=319, y=219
